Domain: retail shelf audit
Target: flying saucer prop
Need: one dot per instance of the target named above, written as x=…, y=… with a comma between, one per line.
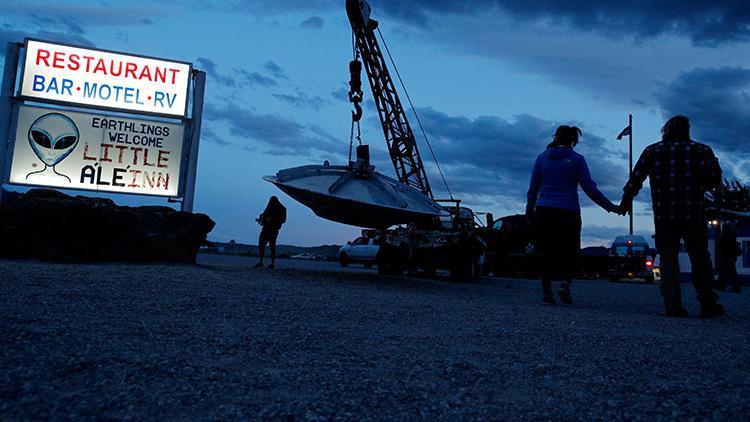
x=356, y=194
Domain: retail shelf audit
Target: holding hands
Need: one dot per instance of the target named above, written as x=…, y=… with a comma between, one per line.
x=619, y=210
x=626, y=205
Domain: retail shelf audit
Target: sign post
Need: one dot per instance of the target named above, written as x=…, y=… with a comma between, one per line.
x=199, y=88
x=6, y=104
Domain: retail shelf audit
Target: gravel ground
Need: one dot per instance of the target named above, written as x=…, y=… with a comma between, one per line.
x=225, y=342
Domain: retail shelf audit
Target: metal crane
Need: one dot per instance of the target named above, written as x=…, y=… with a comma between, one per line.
x=402, y=146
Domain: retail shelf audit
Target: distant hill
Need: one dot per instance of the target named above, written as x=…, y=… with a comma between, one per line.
x=329, y=251
x=595, y=251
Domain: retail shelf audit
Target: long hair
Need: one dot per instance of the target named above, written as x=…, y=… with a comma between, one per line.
x=676, y=129
x=566, y=136
x=273, y=204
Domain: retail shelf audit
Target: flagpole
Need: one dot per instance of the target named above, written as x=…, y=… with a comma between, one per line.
x=630, y=156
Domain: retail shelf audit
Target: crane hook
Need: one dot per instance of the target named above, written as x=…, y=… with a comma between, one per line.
x=355, y=88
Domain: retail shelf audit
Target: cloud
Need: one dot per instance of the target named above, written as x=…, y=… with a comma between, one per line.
x=275, y=70
x=209, y=135
x=717, y=101
x=704, y=23
x=280, y=135
x=314, y=22
x=493, y=156
x=270, y=77
x=72, y=17
x=10, y=34
x=211, y=70
x=255, y=78
x=273, y=7
x=341, y=94
x=302, y=100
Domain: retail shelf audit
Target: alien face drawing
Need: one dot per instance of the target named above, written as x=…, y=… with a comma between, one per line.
x=53, y=137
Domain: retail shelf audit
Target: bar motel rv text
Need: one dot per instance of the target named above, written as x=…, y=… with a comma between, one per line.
x=104, y=67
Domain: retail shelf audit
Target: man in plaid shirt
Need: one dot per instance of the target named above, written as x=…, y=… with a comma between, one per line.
x=680, y=171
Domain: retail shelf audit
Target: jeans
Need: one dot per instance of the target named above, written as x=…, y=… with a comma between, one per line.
x=558, y=243
x=695, y=234
x=728, y=272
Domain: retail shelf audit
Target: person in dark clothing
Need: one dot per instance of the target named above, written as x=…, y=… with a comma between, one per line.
x=680, y=171
x=552, y=205
x=728, y=252
x=272, y=218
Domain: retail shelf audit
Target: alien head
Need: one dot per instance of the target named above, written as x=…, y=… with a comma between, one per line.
x=53, y=137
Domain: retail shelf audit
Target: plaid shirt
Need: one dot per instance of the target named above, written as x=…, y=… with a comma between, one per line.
x=680, y=173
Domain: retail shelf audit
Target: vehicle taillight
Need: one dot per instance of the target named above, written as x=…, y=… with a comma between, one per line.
x=649, y=263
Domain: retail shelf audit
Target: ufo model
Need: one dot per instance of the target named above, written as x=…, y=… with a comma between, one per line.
x=356, y=194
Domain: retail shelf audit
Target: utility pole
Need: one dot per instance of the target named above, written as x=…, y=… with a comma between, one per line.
x=630, y=156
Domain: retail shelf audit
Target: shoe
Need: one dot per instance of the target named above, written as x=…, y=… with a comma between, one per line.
x=713, y=310
x=548, y=300
x=563, y=292
x=677, y=313
x=258, y=265
x=271, y=267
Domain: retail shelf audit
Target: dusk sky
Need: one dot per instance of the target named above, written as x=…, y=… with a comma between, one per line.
x=491, y=81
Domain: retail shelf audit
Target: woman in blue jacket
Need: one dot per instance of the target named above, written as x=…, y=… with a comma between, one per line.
x=552, y=204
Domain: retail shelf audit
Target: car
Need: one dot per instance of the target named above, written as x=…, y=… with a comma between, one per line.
x=630, y=258
x=362, y=250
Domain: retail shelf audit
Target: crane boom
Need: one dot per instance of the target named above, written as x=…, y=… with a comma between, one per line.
x=402, y=146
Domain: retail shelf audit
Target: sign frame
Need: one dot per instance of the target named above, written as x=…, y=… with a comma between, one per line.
x=99, y=107
x=11, y=101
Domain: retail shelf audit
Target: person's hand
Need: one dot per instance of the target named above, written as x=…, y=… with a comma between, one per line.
x=619, y=210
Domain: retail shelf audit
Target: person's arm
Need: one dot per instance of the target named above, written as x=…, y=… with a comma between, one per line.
x=589, y=187
x=534, y=186
x=711, y=169
x=283, y=214
x=641, y=170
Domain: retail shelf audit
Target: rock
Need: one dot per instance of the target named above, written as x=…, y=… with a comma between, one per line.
x=51, y=225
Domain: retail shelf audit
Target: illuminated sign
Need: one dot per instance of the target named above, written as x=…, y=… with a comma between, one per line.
x=88, y=77
x=63, y=149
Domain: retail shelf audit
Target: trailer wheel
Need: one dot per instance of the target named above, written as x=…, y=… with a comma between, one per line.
x=388, y=263
x=462, y=267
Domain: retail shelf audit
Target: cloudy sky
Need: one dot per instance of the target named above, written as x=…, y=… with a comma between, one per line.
x=491, y=81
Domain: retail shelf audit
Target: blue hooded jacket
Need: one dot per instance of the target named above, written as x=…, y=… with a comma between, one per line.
x=555, y=178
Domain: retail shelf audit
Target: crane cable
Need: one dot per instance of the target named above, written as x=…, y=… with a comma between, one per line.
x=413, y=110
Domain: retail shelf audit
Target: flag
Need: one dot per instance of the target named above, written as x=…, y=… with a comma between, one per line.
x=625, y=132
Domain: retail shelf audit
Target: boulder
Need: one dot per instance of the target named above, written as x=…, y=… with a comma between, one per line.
x=51, y=225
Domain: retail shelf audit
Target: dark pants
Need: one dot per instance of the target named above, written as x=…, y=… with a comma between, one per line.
x=728, y=272
x=695, y=234
x=558, y=243
x=268, y=235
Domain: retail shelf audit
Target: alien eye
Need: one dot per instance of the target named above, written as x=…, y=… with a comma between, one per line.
x=65, y=142
x=41, y=139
